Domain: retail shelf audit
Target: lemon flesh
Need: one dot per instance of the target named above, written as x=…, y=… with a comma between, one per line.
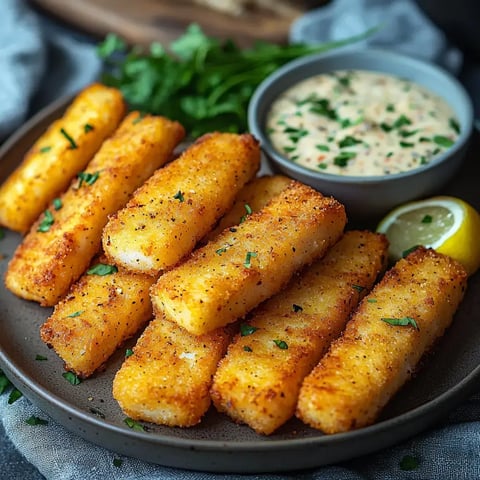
x=448, y=224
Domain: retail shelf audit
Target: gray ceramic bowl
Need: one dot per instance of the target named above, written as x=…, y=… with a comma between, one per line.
x=367, y=196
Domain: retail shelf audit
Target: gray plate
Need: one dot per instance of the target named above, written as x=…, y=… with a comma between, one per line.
x=448, y=375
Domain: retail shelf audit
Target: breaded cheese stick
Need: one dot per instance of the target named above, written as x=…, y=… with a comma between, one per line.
x=401, y=318
x=103, y=308
x=233, y=273
x=168, y=377
x=179, y=204
x=59, y=154
x=258, y=381
x=254, y=196
x=62, y=242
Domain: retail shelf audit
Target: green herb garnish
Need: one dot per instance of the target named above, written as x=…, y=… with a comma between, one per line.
x=386, y=127
x=34, y=420
x=88, y=178
x=73, y=145
x=348, y=141
x=424, y=139
x=179, y=196
x=342, y=158
x=87, y=128
x=200, y=81
x=134, y=425
x=390, y=108
x=454, y=125
x=427, y=219
x=443, y=141
x=40, y=358
x=322, y=148
x=57, y=203
x=45, y=149
x=71, y=378
x=4, y=382
x=358, y=288
x=406, y=144
x=322, y=166
x=246, y=329
x=402, y=322
x=102, y=269
x=246, y=348
x=401, y=121
x=46, y=223
x=15, y=394
x=371, y=300
x=128, y=352
x=248, y=211
x=75, y=314
x=117, y=462
x=248, y=258
x=407, y=133
x=138, y=119
x=281, y=344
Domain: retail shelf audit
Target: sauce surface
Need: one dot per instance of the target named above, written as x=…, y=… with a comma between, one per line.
x=355, y=122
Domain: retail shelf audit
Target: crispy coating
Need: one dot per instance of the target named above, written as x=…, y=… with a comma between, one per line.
x=98, y=314
x=179, y=204
x=368, y=364
x=232, y=274
x=255, y=195
x=258, y=381
x=51, y=163
x=167, y=379
x=47, y=262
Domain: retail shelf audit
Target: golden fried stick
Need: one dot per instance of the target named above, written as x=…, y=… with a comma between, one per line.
x=167, y=379
x=258, y=381
x=254, y=196
x=179, y=204
x=103, y=308
x=59, y=154
x=233, y=273
x=62, y=242
x=406, y=312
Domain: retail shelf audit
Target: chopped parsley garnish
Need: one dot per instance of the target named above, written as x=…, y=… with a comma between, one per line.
x=322, y=166
x=402, y=322
x=4, y=382
x=134, y=425
x=297, y=308
x=246, y=348
x=347, y=122
x=427, y=219
x=424, y=139
x=87, y=128
x=138, y=119
x=358, y=288
x=88, y=178
x=40, y=358
x=248, y=211
x=246, y=329
x=389, y=154
x=289, y=149
x=342, y=158
x=128, y=352
x=371, y=300
x=75, y=314
x=45, y=149
x=71, y=378
x=73, y=145
x=34, y=420
x=348, y=141
x=386, y=127
x=179, y=196
x=117, y=462
x=322, y=107
x=46, y=223
x=282, y=345
x=295, y=134
x=406, y=144
x=15, y=394
x=97, y=412
x=57, y=203
x=221, y=250
x=409, y=462
x=401, y=121
x=423, y=160
x=443, y=141
x=409, y=250
x=390, y=108
x=407, y=133
x=454, y=125
x=102, y=269
x=248, y=259
x=322, y=148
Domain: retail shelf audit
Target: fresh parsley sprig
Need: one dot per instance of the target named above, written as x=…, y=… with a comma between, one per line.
x=201, y=81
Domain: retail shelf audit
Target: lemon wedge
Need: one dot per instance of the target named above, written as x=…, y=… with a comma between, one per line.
x=448, y=224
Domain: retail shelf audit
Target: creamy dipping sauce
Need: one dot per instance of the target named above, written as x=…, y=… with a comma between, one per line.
x=355, y=122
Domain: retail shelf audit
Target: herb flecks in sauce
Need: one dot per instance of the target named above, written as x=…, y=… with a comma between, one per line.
x=360, y=123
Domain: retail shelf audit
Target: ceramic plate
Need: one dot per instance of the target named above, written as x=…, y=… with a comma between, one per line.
x=448, y=375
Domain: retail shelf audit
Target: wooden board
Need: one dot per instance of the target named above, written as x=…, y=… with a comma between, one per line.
x=144, y=21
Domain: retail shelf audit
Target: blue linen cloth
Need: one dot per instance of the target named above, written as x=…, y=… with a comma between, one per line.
x=40, y=61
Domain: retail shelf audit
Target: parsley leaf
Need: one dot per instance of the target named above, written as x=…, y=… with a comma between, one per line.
x=179, y=196
x=282, y=345
x=443, y=141
x=34, y=420
x=409, y=462
x=15, y=394
x=73, y=144
x=71, y=378
x=401, y=322
x=246, y=329
x=134, y=425
x=297, y=308
x=102, y=269
x=46, y=223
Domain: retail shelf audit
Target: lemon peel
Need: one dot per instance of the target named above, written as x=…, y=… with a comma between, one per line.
x=447, y=224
